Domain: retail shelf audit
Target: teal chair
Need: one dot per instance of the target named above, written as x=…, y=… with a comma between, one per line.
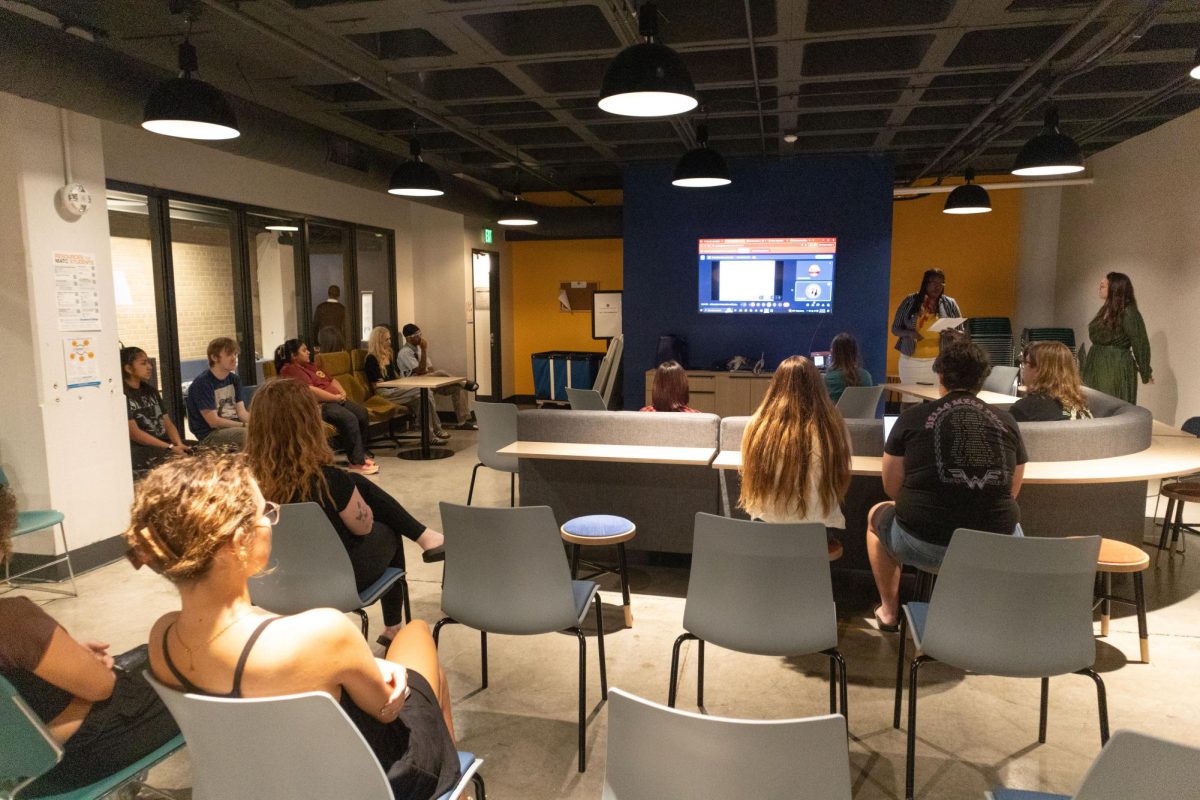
x=32, y=522
x=27, y=750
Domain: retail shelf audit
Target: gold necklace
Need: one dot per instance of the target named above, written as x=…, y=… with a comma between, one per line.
x=211, y=639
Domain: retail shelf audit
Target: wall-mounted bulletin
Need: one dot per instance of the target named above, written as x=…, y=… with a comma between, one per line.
x=606, y=315
x=576, y=295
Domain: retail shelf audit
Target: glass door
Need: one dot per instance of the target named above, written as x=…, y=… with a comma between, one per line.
x=333, y=321
x=373, y=251
x=273, y=254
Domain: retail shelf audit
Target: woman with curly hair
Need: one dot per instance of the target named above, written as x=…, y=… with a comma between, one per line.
x=292, y=461
x=796, y=452
x=1053, y=391
x=202, y=523
x=1120, y=349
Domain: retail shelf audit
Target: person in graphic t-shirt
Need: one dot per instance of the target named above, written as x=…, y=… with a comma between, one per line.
x=152, y=434
x=1052, y=388
x=955, y=462
x=216, y=413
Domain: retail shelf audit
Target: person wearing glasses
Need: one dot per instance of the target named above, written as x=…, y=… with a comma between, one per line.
x=98, y=708
x=1052, y=388
x=202, y=523
x=380, y=365
x=918, y=345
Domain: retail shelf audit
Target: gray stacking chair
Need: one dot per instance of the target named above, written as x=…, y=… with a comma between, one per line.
x=859, y=402
x=1007, y=605
x=585, y=400
x=295, y=745
x=1002, y=379
x=309, y=568
x=497, y=429
x=1131, y=765
x=761, y=588
x=506, y=572
x=659, y=753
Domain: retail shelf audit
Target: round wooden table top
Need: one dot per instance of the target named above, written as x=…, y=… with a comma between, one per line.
x=1187, y=491
x=1118, y=556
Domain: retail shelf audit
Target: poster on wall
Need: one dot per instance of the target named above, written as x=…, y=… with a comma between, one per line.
x=79, y=357
x=78, y=297
x=367, y=303
x=606, y=315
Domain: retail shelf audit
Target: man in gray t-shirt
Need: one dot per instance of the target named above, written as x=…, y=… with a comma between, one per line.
x=413, y=359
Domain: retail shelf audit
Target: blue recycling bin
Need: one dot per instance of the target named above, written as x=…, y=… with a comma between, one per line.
x=555, y=370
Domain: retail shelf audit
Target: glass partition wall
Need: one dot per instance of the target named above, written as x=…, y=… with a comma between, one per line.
x=189, y=269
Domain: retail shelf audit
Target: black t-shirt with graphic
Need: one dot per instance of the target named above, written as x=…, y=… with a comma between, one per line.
x=145, y=407
x=959, y=457
x=1039, y=407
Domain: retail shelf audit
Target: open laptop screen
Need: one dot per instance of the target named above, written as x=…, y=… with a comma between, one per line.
x=888, y=421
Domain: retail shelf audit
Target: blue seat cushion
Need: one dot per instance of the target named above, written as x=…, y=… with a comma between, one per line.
x=583, y=592
x=1021, y=794
x=106, y=785
x=918, y=615
x=465, y=760
x=598, y=525
x=373, y=592
x=30, y=521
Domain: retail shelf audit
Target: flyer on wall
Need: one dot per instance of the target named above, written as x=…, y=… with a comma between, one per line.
x=78, y=296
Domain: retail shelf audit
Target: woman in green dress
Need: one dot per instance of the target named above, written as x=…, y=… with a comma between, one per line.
x=1120, y=350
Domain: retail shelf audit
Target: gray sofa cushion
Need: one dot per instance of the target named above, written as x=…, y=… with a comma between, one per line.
x=866, y=435
x=1119, y=428
x=619, y=427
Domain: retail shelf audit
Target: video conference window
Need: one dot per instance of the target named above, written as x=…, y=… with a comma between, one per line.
x=792, y=275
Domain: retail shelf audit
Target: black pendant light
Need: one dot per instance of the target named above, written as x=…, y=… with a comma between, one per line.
x=701, y=167
x=968, y=198
x=1051, y=152
x=415, y=178
x=517, y=213
x=647, y=79
x=187, y=107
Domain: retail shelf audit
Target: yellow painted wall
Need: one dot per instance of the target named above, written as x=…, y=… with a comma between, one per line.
x=977, y=251
x=538, y=269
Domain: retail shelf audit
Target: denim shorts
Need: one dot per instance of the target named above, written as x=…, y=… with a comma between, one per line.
x=906, y=548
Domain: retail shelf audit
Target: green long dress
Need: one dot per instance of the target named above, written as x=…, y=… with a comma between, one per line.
x=1117, y=356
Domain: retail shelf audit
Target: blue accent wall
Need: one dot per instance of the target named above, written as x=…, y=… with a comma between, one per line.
x=847, y=197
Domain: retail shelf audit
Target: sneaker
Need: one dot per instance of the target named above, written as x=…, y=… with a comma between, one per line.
x=469, y=425
x=364, y=469
x=440, y=435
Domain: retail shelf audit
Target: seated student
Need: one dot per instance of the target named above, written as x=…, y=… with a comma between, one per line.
x=670, y=392
x=845, y=368
x=380, y=365
x=104, y=717
x=215, y=410
x=202, y=523
x=413, y=359
x=291, y=459
x=152, y=435
x=292, y=361
x=1053, y=390
x=796, y=452
x=955, y=462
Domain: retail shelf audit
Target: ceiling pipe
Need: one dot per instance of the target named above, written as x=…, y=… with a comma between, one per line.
x=914, y=191
x=384, y=89
x=762, y=128
x=1030, y=71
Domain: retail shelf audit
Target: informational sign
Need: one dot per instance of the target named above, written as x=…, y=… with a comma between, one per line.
x=487, y=235
x=606, y=315
x=79, y=358
x=368, y=314
x=78, y=296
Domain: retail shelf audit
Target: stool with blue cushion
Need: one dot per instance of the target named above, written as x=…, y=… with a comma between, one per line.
x=598, y=530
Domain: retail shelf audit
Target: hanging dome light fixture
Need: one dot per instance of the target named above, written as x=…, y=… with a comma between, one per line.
x=701, y=167
x=968, y=198
x=415, y=178
x=517, y=213
x=187, y=107
x=1051, y=152
x=647, y=79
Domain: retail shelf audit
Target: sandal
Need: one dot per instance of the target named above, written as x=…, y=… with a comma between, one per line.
x=893, y=627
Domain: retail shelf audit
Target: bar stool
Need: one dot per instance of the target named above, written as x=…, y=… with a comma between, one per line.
x=1116, y=557
x=1178, y=494
x=596, y=530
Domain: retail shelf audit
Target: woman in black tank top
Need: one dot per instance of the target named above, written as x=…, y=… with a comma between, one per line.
x=203, y=524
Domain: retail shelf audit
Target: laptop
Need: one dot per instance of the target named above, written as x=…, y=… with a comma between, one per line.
x=889, y=420
x=820, y=359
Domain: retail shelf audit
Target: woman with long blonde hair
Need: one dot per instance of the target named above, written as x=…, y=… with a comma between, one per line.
x=292, y=462
x=1053, y=389
x=380, y=365
x=796, y=451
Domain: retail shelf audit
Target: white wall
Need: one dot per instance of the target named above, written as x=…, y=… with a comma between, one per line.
x=1142, y=217
x=1037, y=259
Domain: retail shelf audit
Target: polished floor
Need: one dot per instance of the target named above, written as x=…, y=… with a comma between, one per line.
x=974, y=732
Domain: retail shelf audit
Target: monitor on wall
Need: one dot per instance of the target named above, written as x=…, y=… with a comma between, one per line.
x=788, y=275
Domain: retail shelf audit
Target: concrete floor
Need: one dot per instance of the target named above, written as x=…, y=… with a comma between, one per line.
x=974, y=733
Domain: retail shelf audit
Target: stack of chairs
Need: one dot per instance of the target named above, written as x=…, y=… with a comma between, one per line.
x=994, y=335
x=1064, y=335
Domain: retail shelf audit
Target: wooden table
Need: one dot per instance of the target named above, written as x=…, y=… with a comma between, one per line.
x=627, y=453
x=1163, y=429
x=930, y=392
x=425, y=383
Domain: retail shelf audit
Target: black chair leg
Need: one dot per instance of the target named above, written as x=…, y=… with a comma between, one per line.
x=837, y=669
x=1166, y=527
x=471, y=491
x=683, y=637
x=480, y=792
x=1106, y=604
x=1044, y=710
x=600, y=649
x=1101, y=701
x=574, y=560
x=624, y=584
x=404, y=596
x=1139, y=601
x=910, y=766
x=512, y=489
x=1176, y=530
x=833, y=671
x=437, y=628
x=483, y=657
x=363, y=616
x=900, y=669
x=582, y=697
x=700, y=678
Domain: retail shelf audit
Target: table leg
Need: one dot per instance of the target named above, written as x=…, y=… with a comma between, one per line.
x=724, y=494
x=425, y=452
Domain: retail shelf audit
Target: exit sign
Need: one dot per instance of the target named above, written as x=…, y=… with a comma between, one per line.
x=487, y=235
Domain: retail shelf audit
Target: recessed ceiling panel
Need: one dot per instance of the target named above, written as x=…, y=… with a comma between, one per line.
x=727, y=66
x=650, y=150
x=341, y=92
x=1090, y=110
x=1004, y=45
x=911, y=138
x=563, y=154
x=1124, y=78
x=883, y=54
x=969, y=85
x=584, y=75
x=453, y=84
x=558, y=29
x=521, y=112
x=1169, y=37
x=849, y=141
x=748, y=147
x=408, y=43
x=713, y=20
x=385, y=120
x=942, y=115
x=649, y=130
x=840, y=15
x=519, y=137
x=736, y=98
x=842, y=120
x=877, y=91
x=444, y=140
x=1176, y=106
x=719, y=127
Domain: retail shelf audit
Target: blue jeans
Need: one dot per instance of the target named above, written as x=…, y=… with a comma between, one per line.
x=351, y=422
x=908, y=549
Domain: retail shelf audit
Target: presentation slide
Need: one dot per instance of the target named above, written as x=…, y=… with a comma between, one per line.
x=792, y=275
